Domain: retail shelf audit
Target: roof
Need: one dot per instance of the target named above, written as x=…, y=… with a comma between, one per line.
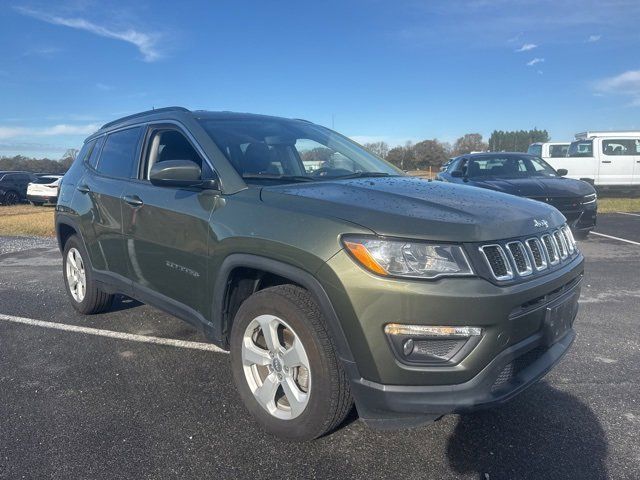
x=176, y=112
x=619, y=133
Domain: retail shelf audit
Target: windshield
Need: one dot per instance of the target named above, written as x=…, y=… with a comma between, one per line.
x=512, y=166
x=535, y=149
x=581, y=148
x=267, y=150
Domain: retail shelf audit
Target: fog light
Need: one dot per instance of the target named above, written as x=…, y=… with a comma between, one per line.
x=423, y=344
x=423, y=330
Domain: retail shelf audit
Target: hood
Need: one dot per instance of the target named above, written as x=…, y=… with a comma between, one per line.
x=411, y=207
x=536, y=186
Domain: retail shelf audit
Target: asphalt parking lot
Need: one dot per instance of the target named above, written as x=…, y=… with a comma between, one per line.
x=78, y=405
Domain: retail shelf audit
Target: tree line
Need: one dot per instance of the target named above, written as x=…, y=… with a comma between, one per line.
x=410, y=156
x=39, y=165
x=434, y=153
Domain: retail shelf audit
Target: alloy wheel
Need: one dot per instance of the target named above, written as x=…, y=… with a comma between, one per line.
x=76, y=275
x=276, y=367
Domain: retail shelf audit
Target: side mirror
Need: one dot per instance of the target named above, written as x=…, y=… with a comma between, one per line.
x=562, y=171
x=457, y=174
x=179, y=173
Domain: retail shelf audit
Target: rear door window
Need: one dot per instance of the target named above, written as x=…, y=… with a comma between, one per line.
x=558, y=151
x=623, y=146
x=120, y=152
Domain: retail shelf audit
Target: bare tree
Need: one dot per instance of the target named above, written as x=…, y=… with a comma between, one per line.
x=381, y=149
x=70, y=153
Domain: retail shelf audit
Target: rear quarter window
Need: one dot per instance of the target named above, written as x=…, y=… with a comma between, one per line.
x=120, y=152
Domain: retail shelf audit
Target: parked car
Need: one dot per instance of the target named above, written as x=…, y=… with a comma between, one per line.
x=347, y=283
x=13, y=186
x=549, y=150
x=608, y=160
x=528, y=176
x=43, y=189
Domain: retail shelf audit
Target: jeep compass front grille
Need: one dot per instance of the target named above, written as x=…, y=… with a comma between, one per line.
x=520, y=258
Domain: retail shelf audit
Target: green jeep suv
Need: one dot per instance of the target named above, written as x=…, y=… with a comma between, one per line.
x=332, y=278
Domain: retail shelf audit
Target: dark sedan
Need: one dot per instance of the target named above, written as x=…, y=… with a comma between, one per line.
x=528, y=176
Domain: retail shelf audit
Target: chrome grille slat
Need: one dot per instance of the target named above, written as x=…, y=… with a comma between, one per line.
x=551, y=249
x=537, y=254
x=562, y=246
x=498, y=262
x=521, y=258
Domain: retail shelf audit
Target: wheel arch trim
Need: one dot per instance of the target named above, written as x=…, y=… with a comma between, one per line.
x=295, y=274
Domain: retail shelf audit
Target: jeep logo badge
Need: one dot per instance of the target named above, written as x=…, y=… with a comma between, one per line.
x=540, y=223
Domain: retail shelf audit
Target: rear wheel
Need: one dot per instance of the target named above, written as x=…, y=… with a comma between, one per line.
x=285, y=366
x=37, y=204
x=86, y=297
x=11, y=198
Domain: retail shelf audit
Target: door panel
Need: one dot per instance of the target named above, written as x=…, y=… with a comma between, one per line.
x=167, y=237
x=101, y=223
x=617, y=160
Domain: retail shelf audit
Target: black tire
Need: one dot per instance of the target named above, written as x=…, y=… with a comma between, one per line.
x=11, y=198
x=329, y=395
x=37, y=204
x=95, y=300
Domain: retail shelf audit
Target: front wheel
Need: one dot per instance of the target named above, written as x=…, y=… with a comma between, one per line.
x=86, y=297
x=285, y=365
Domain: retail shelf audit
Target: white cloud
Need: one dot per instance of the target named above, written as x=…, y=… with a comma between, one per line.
x=145, y=42
x=11, y=132
x=593, y=38
x=526, y=47
x=536, y=60
x=53, y=130
x=627, y=84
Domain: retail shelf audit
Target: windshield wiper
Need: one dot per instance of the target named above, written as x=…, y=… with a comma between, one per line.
x=362, y=175
x=270, y=176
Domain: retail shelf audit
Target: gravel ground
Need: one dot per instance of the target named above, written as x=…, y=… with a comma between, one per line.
x=18, y=244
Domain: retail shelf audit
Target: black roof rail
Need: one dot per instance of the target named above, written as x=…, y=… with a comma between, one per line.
x=142, y=114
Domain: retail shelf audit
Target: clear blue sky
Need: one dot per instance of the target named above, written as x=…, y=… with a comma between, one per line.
x=383, y=70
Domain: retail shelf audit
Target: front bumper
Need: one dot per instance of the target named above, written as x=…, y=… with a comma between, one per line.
x=512, y=317
x=508, y=374
x=582, y=219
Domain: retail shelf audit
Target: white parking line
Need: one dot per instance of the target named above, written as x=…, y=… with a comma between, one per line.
x=111, y=334
x=616, y=238
x=627, y=213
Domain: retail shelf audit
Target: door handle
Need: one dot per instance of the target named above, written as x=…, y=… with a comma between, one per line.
x=83, y=188
x=606, y=161
x=133, y=200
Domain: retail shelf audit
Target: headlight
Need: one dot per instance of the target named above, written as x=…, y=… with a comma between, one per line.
x=408, y=258
x=591, y=198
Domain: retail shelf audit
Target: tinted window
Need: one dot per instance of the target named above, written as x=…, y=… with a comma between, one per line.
x=508, y=166
x=119, y=153
x=557, y=151
x=581, y=148
x=84, y=151
x=535, y=150
x=625, y=146
x=94, y=153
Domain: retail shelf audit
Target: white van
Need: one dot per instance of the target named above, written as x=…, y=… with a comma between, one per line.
x=606, y=159
x=549, y=150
